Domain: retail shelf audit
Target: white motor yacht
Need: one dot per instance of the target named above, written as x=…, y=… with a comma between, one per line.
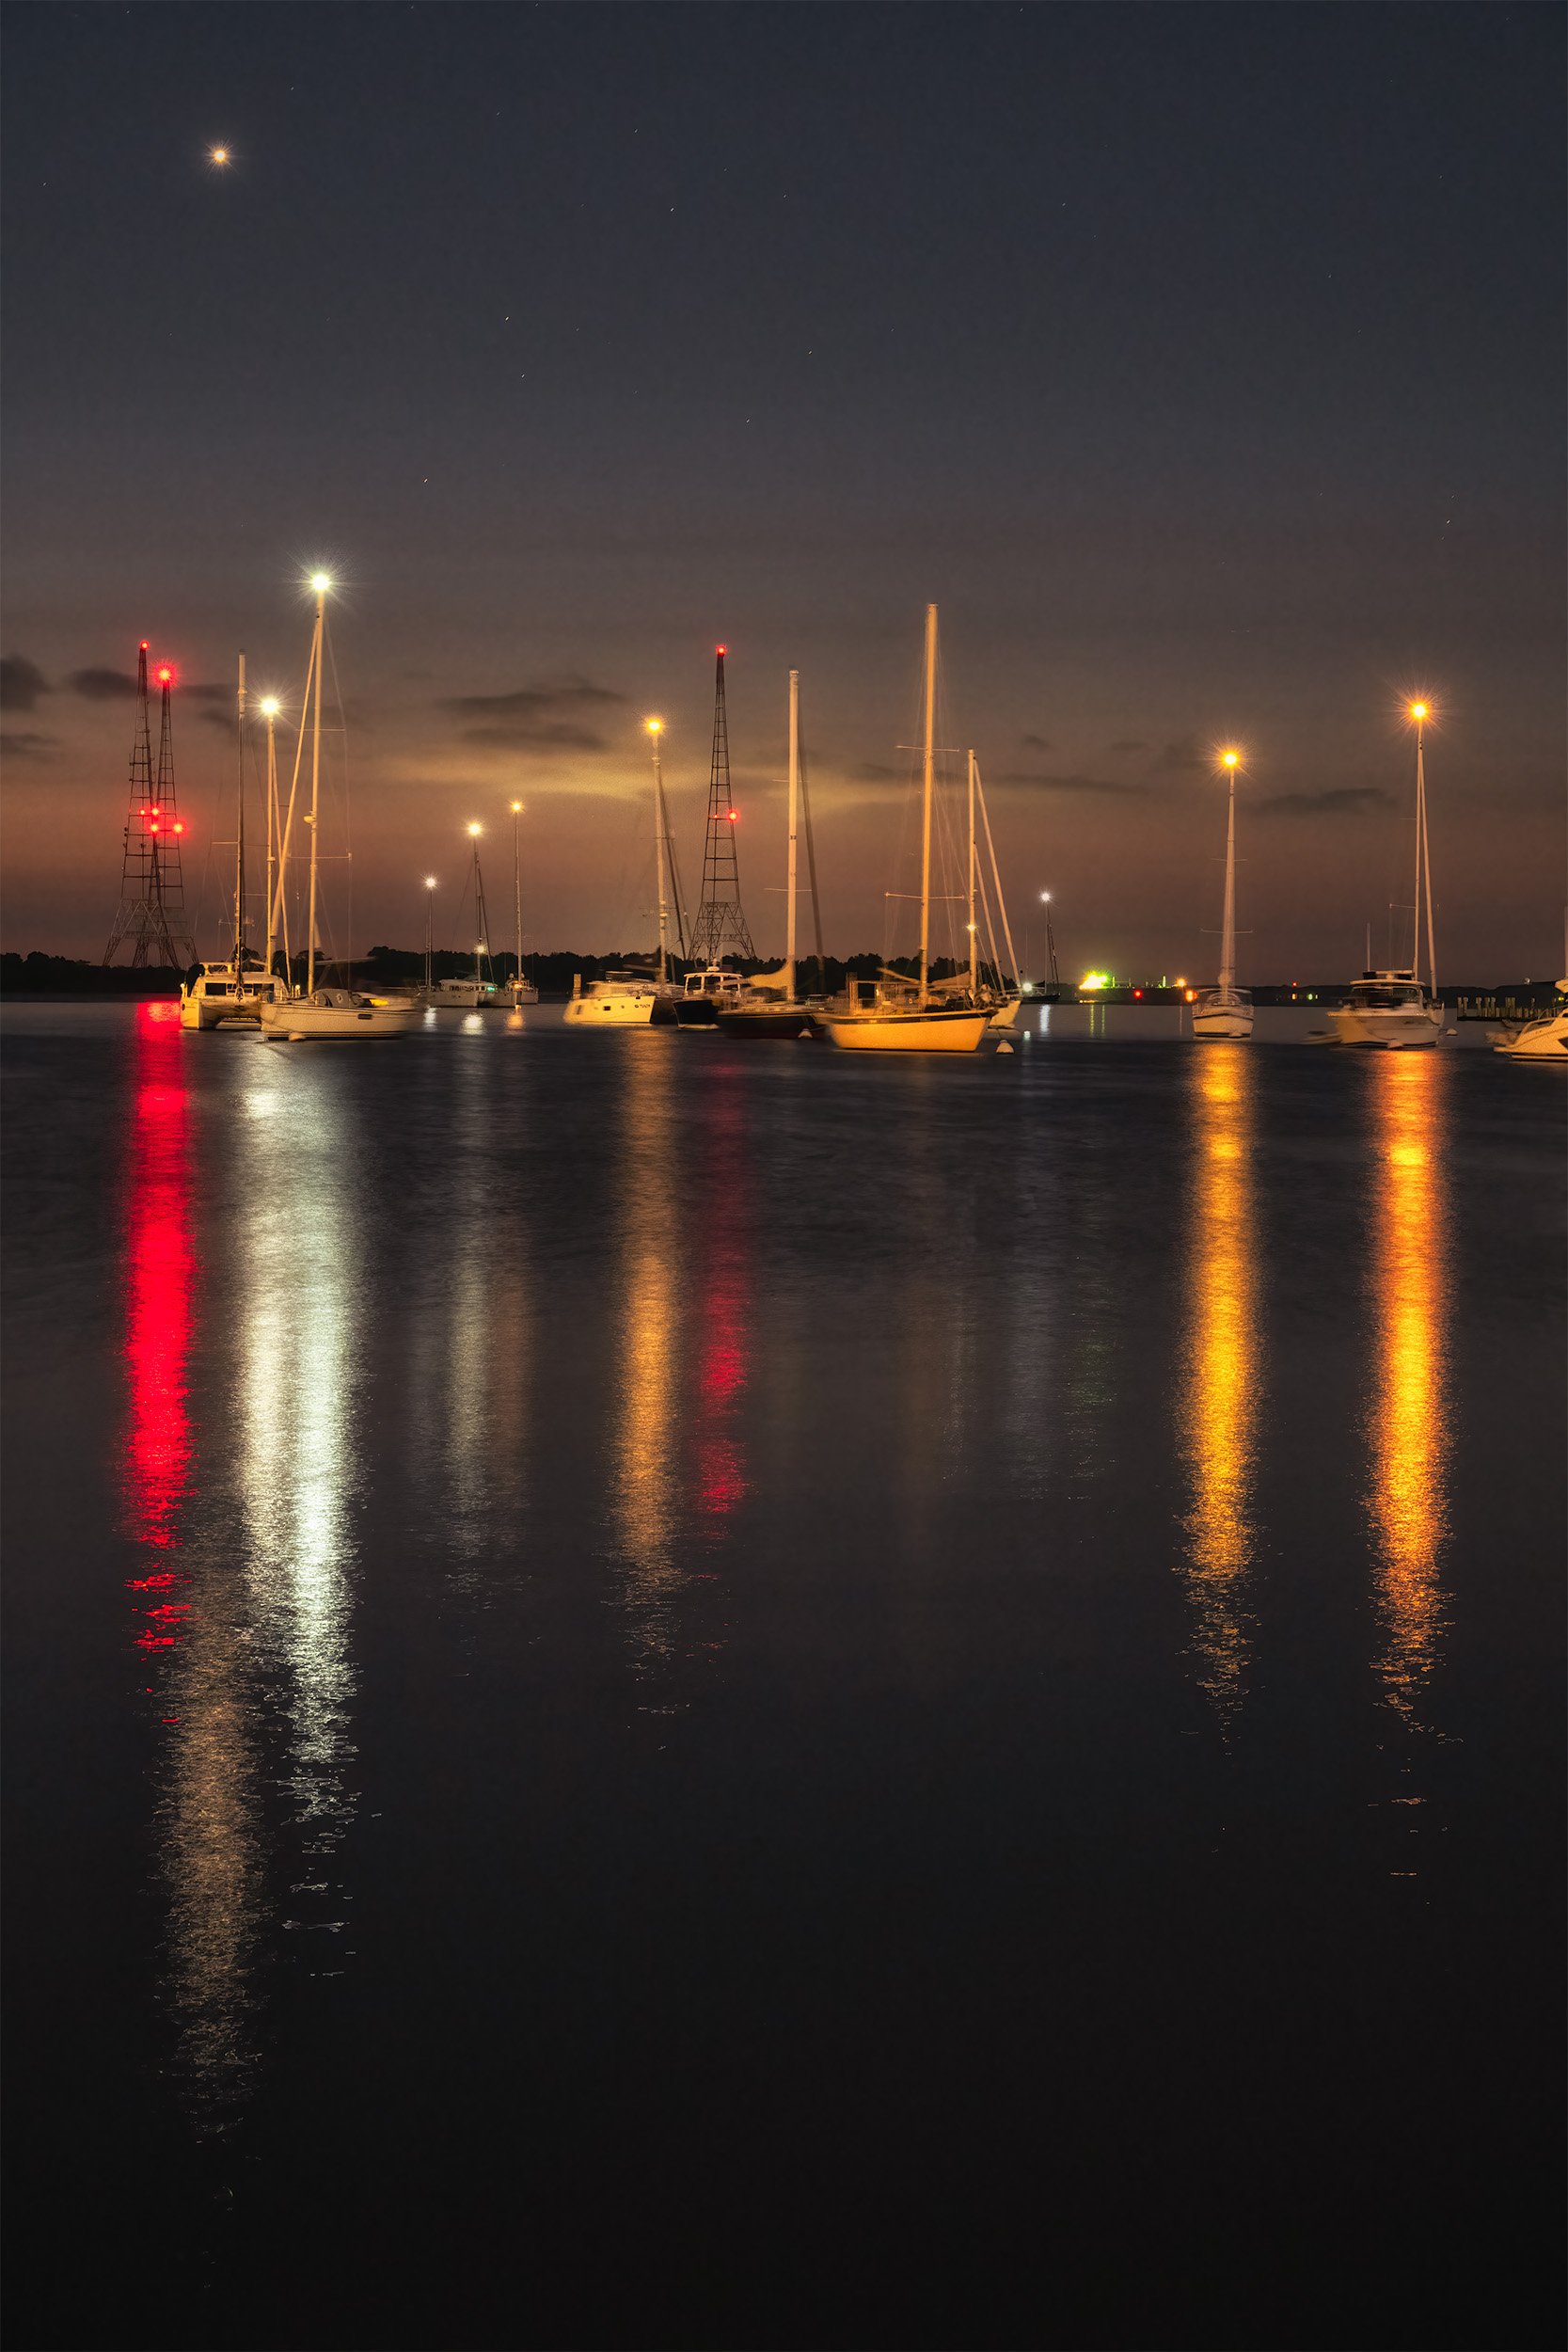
x=1387, y=1009
x=622, y=1000
x=1546, y=1039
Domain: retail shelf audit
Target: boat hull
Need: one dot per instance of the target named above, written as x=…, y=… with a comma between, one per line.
x=788, y=1022
x=1394, y=1029
x=909, y=1032
x=610, y=1012
x=300, y=1024
x=1538, y=1040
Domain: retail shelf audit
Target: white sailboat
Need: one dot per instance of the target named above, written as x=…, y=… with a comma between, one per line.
x=908, y=1017
x=768, y=1006
x=229, y=995
x=1225, y=1012
x=1392, y=1007
x=335, y=1013
x=519, y=992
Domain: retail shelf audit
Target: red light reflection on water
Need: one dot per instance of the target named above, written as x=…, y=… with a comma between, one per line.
x=159, y=1282
x=721, y=1363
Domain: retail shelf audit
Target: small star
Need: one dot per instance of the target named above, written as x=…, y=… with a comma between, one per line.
x=218, y=156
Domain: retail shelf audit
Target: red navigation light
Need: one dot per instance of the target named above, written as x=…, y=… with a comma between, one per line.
x=735, y=817
x=155, y=825
x=1137, y=992
x=144, y=644
x=180, y=826
x=720, y=649
x=165, y=675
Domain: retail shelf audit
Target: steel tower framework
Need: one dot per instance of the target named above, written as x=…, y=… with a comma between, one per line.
x=151, y=894
x=719, y=927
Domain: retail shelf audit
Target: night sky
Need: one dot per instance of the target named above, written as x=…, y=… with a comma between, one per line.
x=1205, y=366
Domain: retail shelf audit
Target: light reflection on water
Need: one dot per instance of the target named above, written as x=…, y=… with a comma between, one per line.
x=1221, y=1367
x=652, y=1273
x=1409, y=1421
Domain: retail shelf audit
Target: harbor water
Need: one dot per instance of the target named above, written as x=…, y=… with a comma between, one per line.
x=673, y=1692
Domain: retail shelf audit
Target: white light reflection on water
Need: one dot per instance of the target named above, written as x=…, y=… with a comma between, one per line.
x=299, y=1346
x=1220, y=1368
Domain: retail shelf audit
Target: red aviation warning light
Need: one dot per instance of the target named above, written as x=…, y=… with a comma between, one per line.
x=165, y=674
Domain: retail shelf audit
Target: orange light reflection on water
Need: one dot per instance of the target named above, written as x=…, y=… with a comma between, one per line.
x=1218, y=1407
x=1409, y=1421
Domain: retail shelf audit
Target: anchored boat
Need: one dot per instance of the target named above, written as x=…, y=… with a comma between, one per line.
x=907, y=1017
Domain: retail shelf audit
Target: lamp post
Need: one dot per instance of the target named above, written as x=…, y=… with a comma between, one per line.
x=270, y=708
x=1420, y=712
x=429, y=935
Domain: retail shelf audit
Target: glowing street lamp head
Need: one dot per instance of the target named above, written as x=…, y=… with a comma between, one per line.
x=321, y=583
x=1230, y=759
x=270, y=705
x=1045, y=897
x=217, y=154
x=1418, y=711
x=655, y=726
x=516, y=808
x=430, y=882
x=475, y=831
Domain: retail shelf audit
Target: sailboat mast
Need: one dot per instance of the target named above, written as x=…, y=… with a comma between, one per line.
x=517, y=889
x=661, y=850
x=1421, y=793
x=928, y=779
x=270, y=706
x=973, y=941
x=315, y=786
x=1424, y=859
x=794, y=828
x=239, y=838
x=995, y=876
x=1228, y=926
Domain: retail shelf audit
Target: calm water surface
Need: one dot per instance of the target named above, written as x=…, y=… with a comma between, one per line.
x=674, y=1694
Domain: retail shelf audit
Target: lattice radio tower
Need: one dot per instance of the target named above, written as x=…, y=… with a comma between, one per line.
x=720, y=927
x=152, y=895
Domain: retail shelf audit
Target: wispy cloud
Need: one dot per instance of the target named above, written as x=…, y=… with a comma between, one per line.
x=28, y=744
x=1032, y=780
x=21, y=683
x=1337, y=800
x=1127, y=747
x=553, y=716
x=1035, y=742
x=871, y=772
x=102, y=686
x=1180, y=758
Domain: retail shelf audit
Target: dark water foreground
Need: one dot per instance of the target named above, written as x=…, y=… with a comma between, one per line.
x=669, y=1693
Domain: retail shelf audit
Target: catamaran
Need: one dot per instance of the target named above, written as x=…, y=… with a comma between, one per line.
x=905, y=1016
x=1392, y=1007
x=1225, y=1012
x=229, y=995
x=329, y=1013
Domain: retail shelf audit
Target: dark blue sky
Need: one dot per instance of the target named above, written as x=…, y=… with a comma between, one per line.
x=1205, y=365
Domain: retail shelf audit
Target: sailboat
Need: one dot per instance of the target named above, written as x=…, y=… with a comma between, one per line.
x=1392, y=1007
x=341, y=1014
x=471, y=994
x=633, y=998
x=231, y=994
x=1225, y=1012
x=520, y=991
x=908, y=1017
x=768, y=1007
